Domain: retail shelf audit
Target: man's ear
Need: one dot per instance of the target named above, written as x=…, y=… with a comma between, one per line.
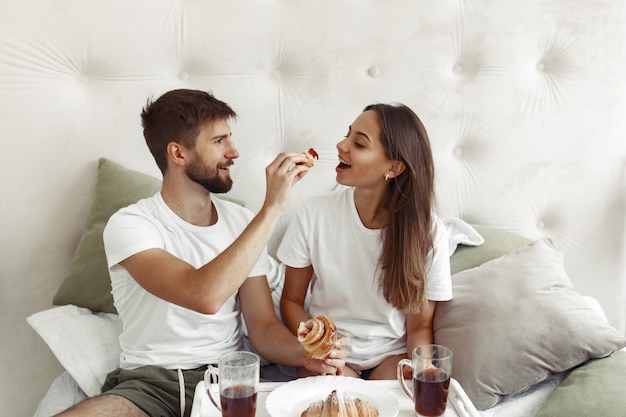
x=176, y=153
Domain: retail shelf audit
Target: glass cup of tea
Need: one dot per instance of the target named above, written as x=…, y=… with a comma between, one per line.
x=432, y=367
x=237, y=377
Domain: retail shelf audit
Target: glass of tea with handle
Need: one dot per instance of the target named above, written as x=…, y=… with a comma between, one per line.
x=432, y=368
x=237, y=378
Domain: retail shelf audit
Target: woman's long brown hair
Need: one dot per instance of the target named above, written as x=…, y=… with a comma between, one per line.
x=407, y=239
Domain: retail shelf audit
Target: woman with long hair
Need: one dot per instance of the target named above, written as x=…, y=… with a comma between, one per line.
x=373, y=253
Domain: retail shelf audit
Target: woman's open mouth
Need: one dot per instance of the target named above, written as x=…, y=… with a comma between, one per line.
x=343, y=164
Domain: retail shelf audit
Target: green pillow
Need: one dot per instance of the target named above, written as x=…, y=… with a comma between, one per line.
x=594, y=389
x=88, y=283
x=497, y=243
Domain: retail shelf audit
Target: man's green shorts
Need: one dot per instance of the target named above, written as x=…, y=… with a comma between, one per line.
x=153, y=389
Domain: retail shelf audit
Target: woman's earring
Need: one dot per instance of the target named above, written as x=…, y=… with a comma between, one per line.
x=386, y=176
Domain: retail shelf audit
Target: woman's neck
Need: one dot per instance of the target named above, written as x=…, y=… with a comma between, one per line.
x=372, y=207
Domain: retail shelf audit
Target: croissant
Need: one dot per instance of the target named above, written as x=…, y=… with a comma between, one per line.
x=318, y=336
x=338, y=404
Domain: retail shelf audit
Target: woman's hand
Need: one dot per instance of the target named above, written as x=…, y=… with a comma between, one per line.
x=333, y=364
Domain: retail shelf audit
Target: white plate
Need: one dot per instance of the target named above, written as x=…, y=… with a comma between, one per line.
x=292, y=398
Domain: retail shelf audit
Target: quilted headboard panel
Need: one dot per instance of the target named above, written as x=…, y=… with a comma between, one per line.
x=525, y=104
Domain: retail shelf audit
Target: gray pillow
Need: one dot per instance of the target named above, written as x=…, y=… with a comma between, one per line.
x=595, y=389
x=514, y=321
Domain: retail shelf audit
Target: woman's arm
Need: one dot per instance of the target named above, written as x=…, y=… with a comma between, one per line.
x=419, y=331
x=419, y=327
x=294, y=294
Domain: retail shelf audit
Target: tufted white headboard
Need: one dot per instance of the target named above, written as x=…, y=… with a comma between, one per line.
x=524, y=102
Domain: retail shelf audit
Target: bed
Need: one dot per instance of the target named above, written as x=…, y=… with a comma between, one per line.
x=524, y=104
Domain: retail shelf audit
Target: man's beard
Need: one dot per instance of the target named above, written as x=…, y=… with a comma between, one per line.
x=201, y=174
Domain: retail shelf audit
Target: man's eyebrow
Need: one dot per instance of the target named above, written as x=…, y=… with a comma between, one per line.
x=223, y=136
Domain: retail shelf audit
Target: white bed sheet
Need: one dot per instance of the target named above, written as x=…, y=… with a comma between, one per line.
x=62, y=394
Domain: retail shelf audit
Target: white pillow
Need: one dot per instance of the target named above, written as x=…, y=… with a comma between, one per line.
x=85, y=343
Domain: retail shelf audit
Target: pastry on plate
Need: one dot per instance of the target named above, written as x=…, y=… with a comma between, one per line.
x=339, y=404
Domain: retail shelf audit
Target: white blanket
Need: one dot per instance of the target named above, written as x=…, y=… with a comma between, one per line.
x=461, y=233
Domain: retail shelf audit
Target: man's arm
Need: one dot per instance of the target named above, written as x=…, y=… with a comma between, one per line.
x=271, y=338
x=206, y=289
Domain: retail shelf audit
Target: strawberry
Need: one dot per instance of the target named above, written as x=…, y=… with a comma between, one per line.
x=311, y=156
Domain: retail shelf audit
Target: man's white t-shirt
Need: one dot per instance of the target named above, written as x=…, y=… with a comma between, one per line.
x=156, y=332
x=328, y=234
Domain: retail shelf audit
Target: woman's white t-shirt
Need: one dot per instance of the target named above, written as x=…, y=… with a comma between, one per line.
x=328, y=234
x=157, y=332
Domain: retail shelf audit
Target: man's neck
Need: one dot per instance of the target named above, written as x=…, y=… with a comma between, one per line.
x=190, y=202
